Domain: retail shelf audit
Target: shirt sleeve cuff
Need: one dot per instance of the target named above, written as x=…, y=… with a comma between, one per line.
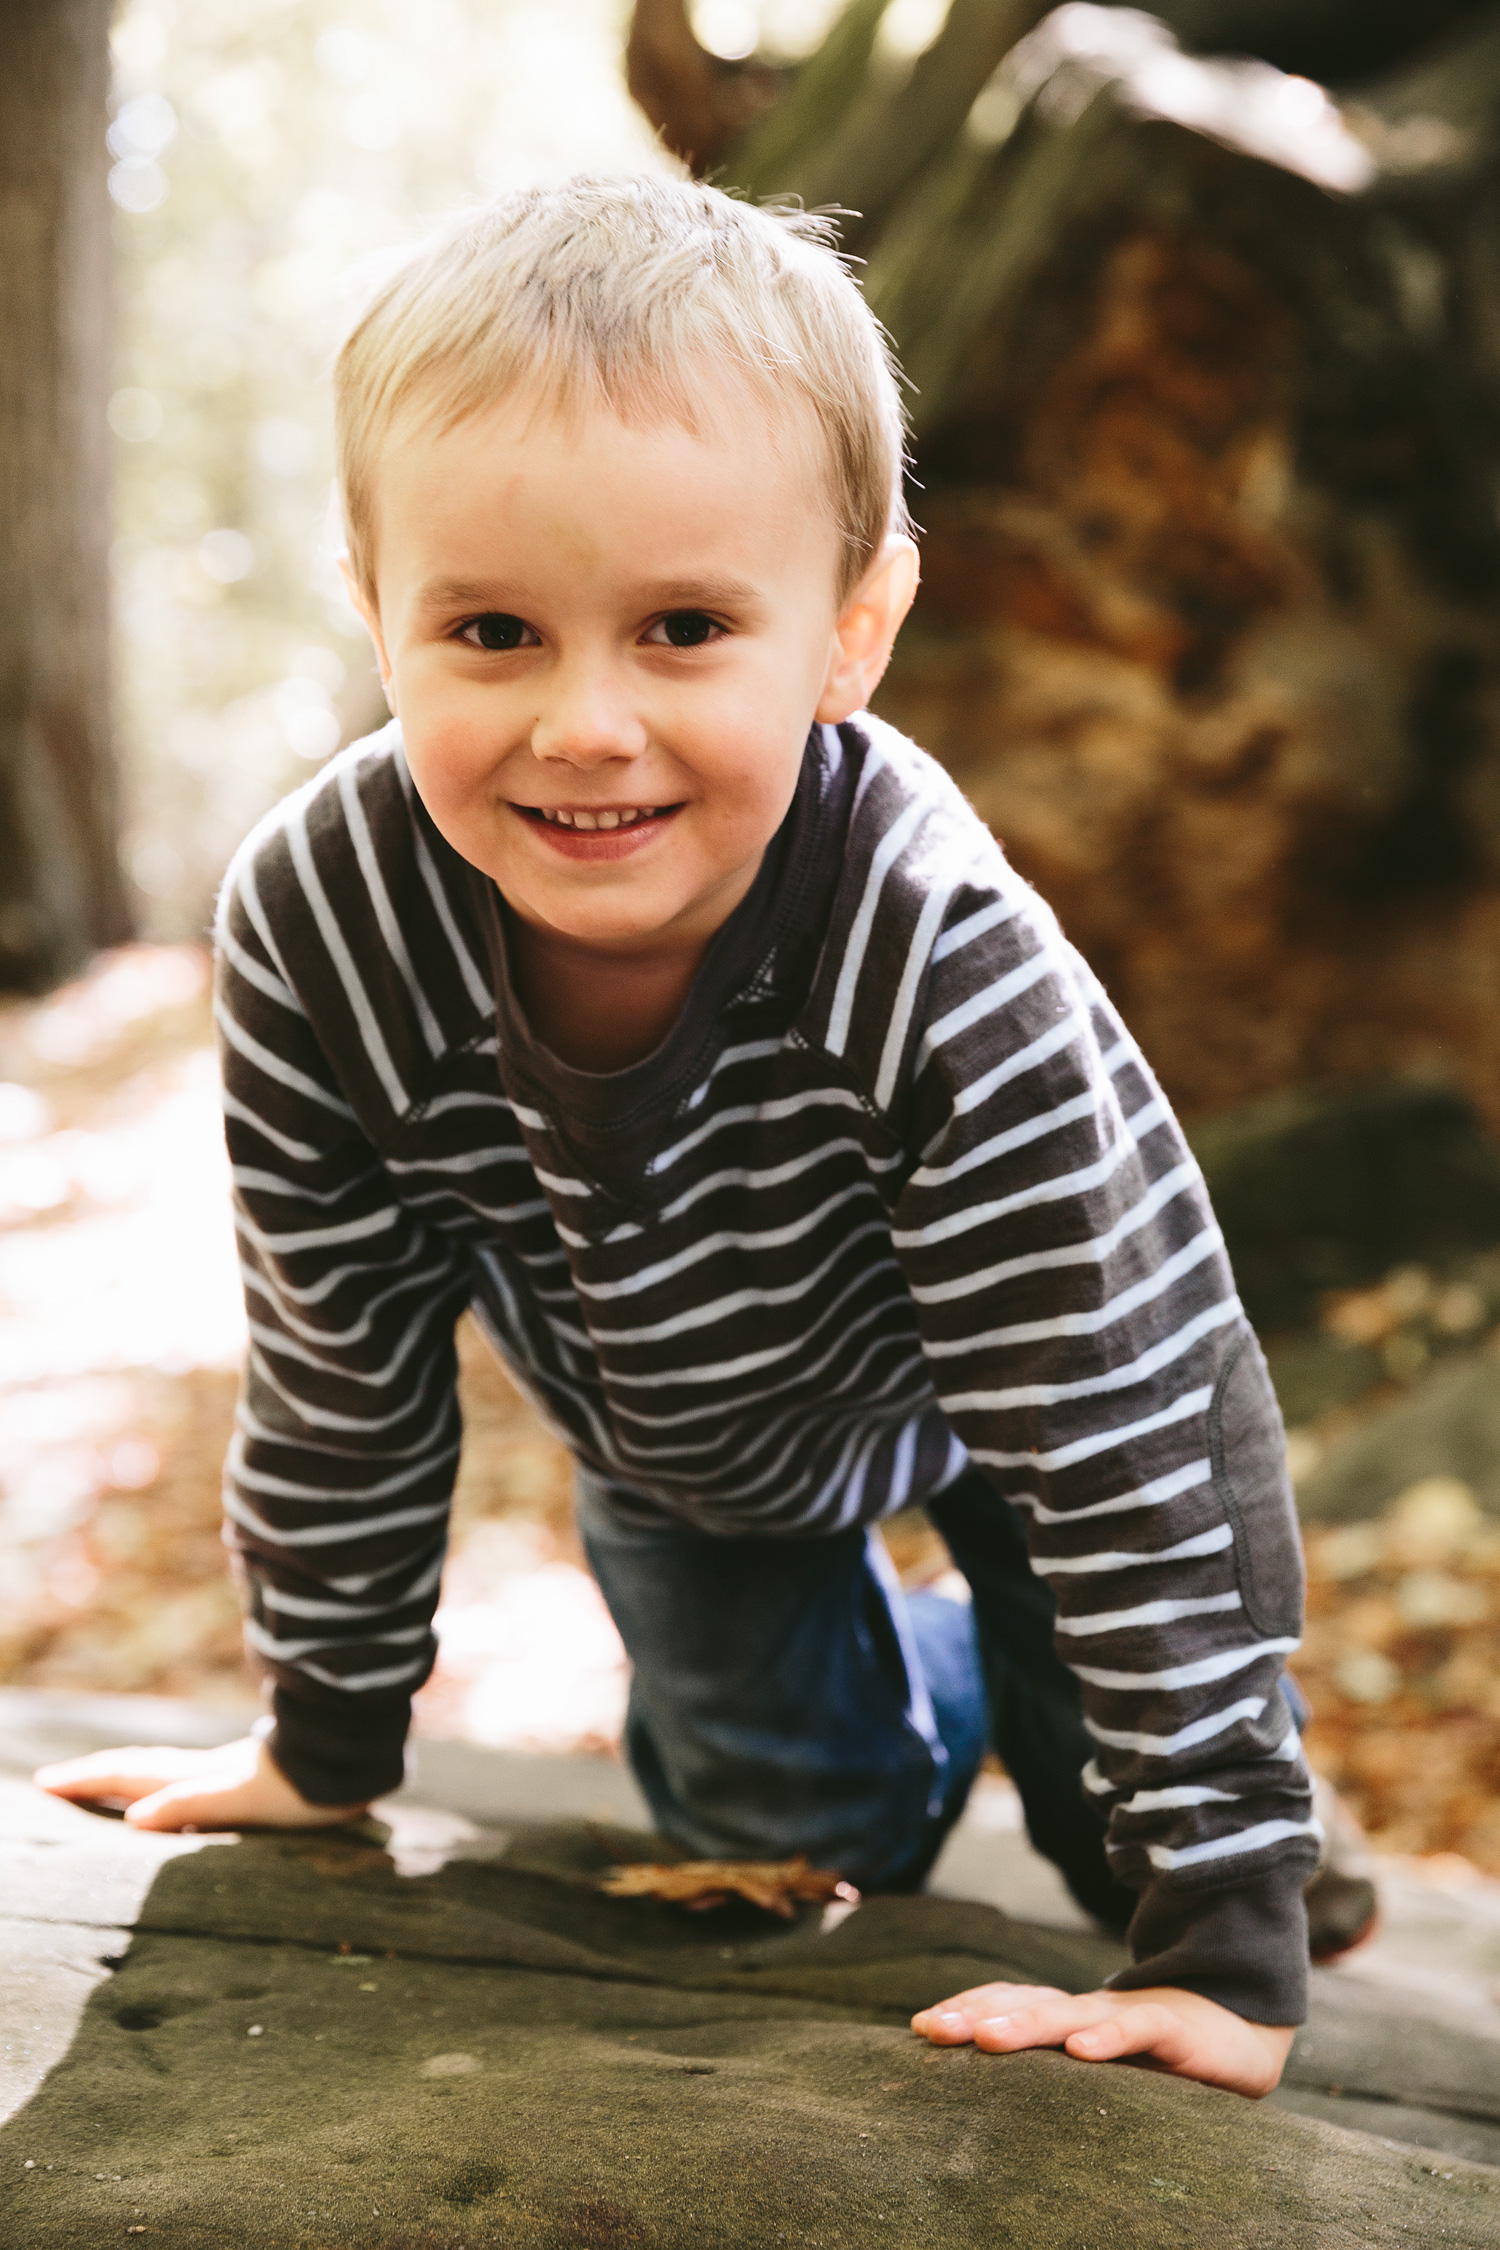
x=1241, y=1944
x=340, y=1752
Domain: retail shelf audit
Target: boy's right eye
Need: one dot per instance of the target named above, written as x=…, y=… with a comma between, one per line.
x=496, y=630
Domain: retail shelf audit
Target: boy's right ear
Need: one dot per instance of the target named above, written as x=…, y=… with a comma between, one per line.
x=370, y=617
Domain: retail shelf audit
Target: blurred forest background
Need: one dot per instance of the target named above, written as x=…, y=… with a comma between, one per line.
x=1202, y=315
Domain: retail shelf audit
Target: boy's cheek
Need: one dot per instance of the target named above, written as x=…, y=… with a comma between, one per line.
x=455, y=755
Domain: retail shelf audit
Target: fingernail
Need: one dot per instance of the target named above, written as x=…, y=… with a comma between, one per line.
x=994, y=2023
x=950, y=2019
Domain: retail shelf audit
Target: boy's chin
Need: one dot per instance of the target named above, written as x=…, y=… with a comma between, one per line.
x=618, y=925
x=625, y=907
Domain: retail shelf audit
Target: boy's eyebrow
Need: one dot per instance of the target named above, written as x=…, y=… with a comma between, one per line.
x=455, y=593
x=709, y=592
x=699, y=593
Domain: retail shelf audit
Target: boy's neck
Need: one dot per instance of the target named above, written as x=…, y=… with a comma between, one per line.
x=599, y=1011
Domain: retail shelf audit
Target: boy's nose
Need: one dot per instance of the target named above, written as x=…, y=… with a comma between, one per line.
x=587, y=721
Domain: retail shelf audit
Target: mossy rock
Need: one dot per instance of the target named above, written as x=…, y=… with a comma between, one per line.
x=504, y=2057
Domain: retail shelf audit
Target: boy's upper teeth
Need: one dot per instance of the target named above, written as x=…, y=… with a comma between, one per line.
x=618, y=816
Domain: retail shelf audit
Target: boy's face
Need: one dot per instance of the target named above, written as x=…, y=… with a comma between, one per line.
x=606, y=645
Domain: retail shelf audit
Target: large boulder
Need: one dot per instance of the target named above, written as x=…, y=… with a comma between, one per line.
x=300, y=2045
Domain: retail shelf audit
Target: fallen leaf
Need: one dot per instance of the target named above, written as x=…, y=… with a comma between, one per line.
x=774, y=1884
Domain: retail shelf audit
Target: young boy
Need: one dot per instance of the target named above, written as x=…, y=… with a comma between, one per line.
x=638, y=989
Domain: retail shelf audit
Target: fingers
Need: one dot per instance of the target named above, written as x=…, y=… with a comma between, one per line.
x=125, y=1775
x=235, y=1786
x=1183, y=2033
x=183, y=1805
x=1097, y=2027
x=1243, y=2058
x=1148, y=2029
x=1094, y=2026
x=230, y=1799
x=1178, y=2031
x=950, y=2023
x=1193, y=2038
x=1044, y=2019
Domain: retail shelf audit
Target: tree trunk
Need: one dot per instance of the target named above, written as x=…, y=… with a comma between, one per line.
x=1208, y=460
x=1206, y=457
x=61, y=893
x=864, y=144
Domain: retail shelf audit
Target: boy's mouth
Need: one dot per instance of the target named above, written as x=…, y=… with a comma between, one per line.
x=597, y=831
x=597, y=817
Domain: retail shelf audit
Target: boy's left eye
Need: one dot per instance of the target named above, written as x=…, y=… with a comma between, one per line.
x=684, y=628
x=495, y=630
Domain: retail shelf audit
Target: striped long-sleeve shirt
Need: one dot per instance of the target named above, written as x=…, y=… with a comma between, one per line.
x=897, y=1192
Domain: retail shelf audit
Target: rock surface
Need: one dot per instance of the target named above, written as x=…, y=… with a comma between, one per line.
x=291, y=2043
x=1448, y=1425
x=1328, y=1190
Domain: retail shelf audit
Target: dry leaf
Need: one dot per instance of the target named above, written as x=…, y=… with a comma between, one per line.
x=770, y=1883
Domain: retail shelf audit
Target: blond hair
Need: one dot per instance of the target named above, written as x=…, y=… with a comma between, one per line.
x=615, y=293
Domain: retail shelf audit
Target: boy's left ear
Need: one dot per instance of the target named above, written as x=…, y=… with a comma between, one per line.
x=867, y=629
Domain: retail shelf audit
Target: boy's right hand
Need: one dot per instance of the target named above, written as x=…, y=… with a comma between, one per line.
x=237, y=1786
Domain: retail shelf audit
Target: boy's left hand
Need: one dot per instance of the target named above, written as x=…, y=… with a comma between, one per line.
x=1180, y=2031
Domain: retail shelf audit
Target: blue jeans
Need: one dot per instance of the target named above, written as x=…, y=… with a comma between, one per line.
x=787, y=1697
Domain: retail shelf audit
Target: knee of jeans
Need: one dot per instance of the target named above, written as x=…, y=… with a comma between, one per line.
x=948, y=1649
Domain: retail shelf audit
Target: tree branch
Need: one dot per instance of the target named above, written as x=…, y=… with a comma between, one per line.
x=698, y=103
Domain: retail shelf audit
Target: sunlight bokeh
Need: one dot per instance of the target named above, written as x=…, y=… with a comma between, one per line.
x=266, y=159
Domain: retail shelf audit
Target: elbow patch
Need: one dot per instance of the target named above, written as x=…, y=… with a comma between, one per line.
x=1247, y=1449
